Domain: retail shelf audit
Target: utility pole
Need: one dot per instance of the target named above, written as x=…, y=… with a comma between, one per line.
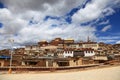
x=11, y=53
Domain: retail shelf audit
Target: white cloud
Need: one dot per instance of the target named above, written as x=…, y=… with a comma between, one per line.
x=48, y=7
x=11, y=23
x=118, y=42
x=45, y=31
x=5, y=15
x=94, y=10
x=104, y=22
x=108, y=11
x=106, y=28
x=42, y=30
x=16, y=17
x=32, y=15
x=109, y=39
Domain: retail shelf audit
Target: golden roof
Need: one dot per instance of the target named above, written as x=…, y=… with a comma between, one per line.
x=43, y=41
x=69, y=39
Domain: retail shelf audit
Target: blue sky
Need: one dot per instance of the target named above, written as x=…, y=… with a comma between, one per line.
x=114, y=31
x=28, y=22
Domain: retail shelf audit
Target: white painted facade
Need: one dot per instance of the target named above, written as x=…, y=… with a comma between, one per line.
x=89, y=53
x=68, y=54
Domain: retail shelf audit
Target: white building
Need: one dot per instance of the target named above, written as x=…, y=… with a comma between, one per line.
x=67, y=54
x=89, y=53
x=84, y=52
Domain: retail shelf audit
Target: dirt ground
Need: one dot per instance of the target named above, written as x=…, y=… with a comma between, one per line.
x=111, y=73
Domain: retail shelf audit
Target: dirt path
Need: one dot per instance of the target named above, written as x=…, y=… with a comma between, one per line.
x=111, y=73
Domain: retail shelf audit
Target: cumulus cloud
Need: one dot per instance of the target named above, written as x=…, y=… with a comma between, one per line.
x=46, y=31
x=11, y=24
x=106, y=28
x=48, y=7
x=18, y=28
x=94, y=10
x=24, y=21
